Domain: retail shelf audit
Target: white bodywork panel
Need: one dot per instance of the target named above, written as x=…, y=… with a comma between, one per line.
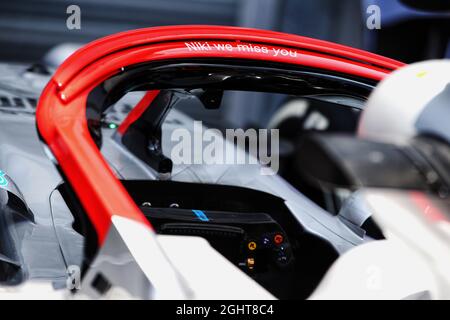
x=153, y=266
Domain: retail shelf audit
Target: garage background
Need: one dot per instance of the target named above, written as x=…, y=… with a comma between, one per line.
x=28, y=28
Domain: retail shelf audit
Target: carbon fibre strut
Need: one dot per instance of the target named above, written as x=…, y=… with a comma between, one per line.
x=143, y=137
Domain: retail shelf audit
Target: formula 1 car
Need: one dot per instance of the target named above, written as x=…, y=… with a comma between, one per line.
x=94, y=204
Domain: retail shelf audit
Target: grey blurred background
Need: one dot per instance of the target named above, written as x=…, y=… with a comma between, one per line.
x=29, y=28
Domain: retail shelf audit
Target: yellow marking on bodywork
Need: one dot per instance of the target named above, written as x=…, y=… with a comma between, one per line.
x=422, y=74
